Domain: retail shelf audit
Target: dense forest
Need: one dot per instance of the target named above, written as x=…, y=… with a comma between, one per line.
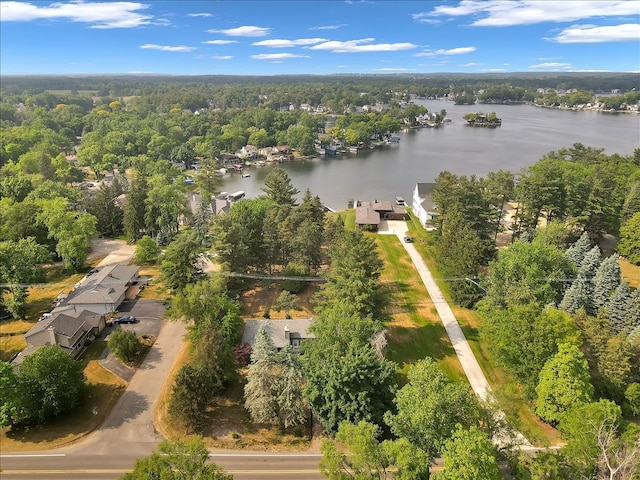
x=82, y=156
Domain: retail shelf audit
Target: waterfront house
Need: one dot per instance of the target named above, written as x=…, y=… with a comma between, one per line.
x=423, y=206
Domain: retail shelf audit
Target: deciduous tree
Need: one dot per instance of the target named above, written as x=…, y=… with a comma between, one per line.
x=469, y=455
x=178, y=460
x=564, y=383
x=50, y=382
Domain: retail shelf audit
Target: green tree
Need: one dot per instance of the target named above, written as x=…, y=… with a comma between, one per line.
x=356, y=453
x=147, y=250
x=595, y=444
x=429, y=406
x=578, y=295
x=564, y=383
x=279, y=189
x=206, y=305
x=632, y=317
x=469, y=455
x=606, y=280
x=523, y=338
x=349, y=385
x=72, y=230
x=135, y=208
x=124, y=344
x=190, y=396
x=629, y=244
x=260, y=396
x=178, y=460
x=579, y=249
x=286, y=301
x=20, y=264
x=179, y=262
x=354, y=274
x=616, y=307
x=9, y=400
x=632, y=395
x=290, y=400
x=103, y=206
x=525, y=273
x=50, y=382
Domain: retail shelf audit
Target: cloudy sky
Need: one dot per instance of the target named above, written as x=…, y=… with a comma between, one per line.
x=242, y=37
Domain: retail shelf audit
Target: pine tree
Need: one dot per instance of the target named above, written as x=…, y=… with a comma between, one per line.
x=616, y=307
x=577, y=296
x=259, y=392
x=632, y=314
x=291, y=409
x=279, y=189
x=590, y=263
x=606, y=280
x=578, y=250
x=135, y=209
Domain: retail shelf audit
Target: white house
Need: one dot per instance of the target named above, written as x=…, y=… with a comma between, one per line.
x=423, y=206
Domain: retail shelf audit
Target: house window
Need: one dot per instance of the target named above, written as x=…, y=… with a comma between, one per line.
x=295, y=342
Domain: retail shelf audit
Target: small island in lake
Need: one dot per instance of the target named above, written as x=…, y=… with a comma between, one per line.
x=483, y=120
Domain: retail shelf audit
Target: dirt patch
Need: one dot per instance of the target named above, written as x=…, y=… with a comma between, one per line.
x=257, y=299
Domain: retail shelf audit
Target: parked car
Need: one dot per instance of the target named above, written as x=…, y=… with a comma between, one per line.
x=408, y=240
x=124, y=319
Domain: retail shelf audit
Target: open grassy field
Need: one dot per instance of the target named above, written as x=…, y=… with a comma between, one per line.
x=630, y=272
x=102, y=392
x=415, y=329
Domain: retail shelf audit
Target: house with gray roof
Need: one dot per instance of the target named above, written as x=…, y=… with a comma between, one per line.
x=282, y=332
x=70, y=330
x=101, y=292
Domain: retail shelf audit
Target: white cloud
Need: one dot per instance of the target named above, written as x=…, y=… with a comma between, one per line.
x=629, y=32
x=199, y=15
x=551, y=66
x=279, y=43
x=451, y=51
x=471, y=64
x=222, y=57
x=98, y=14
x=357, y=46
x=219, y=42
x=330, y=27
x=500, y=13
x=167, y=48
x=395, y=69
x=277, y=56
x=244, y=31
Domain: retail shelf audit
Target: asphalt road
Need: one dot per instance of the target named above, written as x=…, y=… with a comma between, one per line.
x=242, y=465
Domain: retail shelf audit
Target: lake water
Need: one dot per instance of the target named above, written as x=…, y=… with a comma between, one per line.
x=526, y=135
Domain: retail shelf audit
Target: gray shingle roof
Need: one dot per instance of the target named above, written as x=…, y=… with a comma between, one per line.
x=298, y=328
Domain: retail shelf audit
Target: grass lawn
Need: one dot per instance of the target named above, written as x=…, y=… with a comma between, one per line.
x=102, y=392
x=505, y=388
x=630, y=272
x=415, y=329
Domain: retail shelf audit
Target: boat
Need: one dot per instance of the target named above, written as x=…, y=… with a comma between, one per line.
x=260, y=163
x=246, y=175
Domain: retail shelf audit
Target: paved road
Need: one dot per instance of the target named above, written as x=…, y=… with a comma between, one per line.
x=243, y=466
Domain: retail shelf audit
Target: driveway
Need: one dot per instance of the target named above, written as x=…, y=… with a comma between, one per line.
x=470, y=365
x=129, y=428
x=111, y=251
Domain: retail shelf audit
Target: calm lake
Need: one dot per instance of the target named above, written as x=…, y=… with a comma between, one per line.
x=526, y=135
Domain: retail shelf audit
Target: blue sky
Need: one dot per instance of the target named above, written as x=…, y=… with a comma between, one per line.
x=244, y=37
